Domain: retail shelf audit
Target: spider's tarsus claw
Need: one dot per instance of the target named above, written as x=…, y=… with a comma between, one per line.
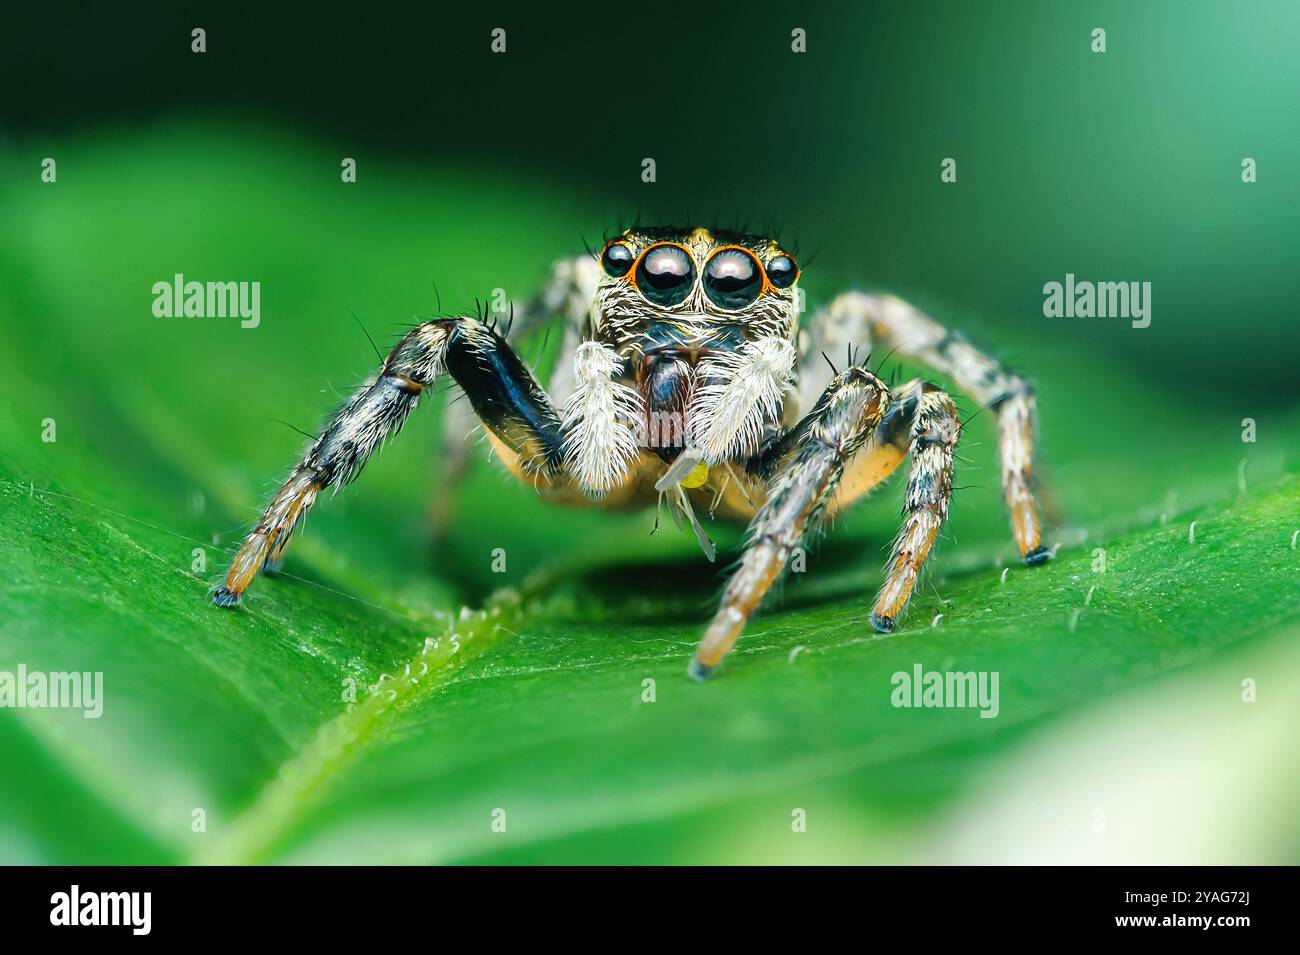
x=225, y=597
x=882, y=624
x=699, y=672
x=1039, y=555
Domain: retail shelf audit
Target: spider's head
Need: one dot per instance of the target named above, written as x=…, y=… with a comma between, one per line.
x=679, y=286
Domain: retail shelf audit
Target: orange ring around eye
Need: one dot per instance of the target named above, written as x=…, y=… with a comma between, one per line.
x=798, y=272
x=630, y=278
x=623, y=241
x=767, y=285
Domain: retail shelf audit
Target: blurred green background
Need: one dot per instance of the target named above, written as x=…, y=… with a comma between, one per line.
x=474, y=172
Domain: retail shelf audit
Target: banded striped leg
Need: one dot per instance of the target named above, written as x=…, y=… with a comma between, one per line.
x=501, y=390
x=805, y=480
x=934, y=434
x=832, y=333
x=568, y=291
x=892, y=324
x=885, y=451
x=921, y=422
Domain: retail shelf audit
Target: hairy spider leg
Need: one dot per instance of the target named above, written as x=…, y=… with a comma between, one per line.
x=888, y=324
x=801, y=489
x=920, y=418
x=503, y=392
x=567, y=292
x=935, y=431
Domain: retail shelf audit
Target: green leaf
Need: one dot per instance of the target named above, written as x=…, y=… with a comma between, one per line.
x=536, y=704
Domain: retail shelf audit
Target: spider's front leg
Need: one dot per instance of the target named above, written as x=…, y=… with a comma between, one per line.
x=935, y=430
x=812, y=462
x=503, y=392
x=889, y=324
x=567, y=292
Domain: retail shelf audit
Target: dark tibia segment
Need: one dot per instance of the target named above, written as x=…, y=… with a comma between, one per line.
x=506, y=397
x=501, y=389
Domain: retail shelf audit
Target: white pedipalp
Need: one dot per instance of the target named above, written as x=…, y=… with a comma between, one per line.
x=728, y=415
x=600, y=441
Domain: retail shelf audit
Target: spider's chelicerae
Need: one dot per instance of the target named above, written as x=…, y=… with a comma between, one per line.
x=685, y=376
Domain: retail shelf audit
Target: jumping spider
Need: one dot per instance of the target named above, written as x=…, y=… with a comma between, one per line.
x=682, y=375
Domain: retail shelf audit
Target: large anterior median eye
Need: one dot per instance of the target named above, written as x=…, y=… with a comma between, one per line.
x=732, y=278
x=616, y=260
x=665, y=275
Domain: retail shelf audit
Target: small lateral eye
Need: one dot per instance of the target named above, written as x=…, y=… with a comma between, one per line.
x=782, y=271
x=665, y=275
x=616, y=260
x=732, y=278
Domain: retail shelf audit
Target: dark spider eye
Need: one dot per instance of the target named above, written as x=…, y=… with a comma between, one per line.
x=732, y=279
x=616, y=260
x=782, y=271
x=665, y=275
